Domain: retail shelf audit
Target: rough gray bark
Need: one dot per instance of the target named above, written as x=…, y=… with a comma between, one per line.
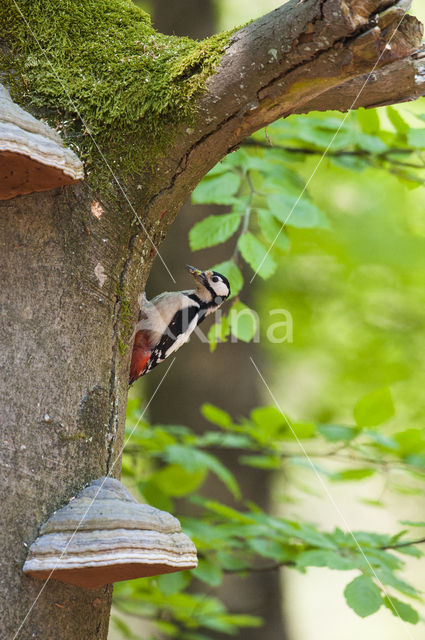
x=385, y=86
x=64, y=381
x=60, y=390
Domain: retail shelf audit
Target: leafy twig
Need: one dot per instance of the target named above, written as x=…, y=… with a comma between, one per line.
x=246, y=218
x=278, y=565
x=360, y=153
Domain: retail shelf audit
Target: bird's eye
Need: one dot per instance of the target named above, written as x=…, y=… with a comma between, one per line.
x=215, y=279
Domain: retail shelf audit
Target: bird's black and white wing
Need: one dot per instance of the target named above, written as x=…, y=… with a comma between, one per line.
x=170, y=320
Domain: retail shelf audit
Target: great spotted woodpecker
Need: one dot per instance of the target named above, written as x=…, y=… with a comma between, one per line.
x=166, y=322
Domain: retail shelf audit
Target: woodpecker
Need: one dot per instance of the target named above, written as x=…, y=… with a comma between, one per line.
x=166, y=322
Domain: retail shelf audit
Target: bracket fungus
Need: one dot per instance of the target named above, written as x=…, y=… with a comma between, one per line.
x=32, y=155
x=104, y=535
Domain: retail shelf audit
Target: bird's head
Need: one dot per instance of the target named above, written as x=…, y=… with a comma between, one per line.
x=213, y=288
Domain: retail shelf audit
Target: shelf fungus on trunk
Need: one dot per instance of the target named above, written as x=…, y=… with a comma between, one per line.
x=32, y=155
x=104, y=535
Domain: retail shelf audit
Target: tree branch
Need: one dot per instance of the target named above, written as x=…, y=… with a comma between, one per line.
x=290, y=57
x=279, y=565
x=293, y=60
x=401, y=81
x=385, y=156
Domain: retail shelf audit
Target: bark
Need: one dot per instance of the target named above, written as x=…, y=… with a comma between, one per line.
x=61, y=393
x=66, y=330
x=400, y=81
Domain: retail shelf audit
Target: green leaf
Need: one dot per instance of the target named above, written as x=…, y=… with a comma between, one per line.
x=388, y=577
x=243, y=620
x=337, y=432
x=218, y=332
x=233, y=274
x=218, y=189
x=374, y=408
x=308, y=533
x=302, y=213
x=255, y=254
x=352, y=474
x=174, y=480
x=398, y=122
x=410, y=441
x=269, y=417
x=383, y=441
x=213, y=230
x=368, y=119
x=154, y=496
x=401, y=610
x=352, y=163
x=208, y=572
x=363, y=596
x=243, y=322
x=229, y=440
x=268, y=549
x=216, y=416
x=228, y=512
x=195, y=460
x=374, y=144
x=230, y=561
x=415, y=552
x=171, y=583
x=272, y=230
x=416, y=138
x=327, y=558
x=301, y=430
x=167, y=628
x=372, y=539
x=261, y=462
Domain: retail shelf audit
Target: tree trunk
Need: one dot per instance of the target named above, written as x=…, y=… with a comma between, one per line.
x=61, y=393
x=73, y=260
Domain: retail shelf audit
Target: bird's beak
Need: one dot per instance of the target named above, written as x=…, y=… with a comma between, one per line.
x=196, y=273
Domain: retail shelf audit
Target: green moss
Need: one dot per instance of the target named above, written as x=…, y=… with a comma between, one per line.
x=79, y=435
x=125, y=321
x=99, y=65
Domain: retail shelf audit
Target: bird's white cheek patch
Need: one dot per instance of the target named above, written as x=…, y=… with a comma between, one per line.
x=100, y=274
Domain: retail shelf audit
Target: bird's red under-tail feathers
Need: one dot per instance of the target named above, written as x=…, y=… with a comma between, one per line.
x=140, y=356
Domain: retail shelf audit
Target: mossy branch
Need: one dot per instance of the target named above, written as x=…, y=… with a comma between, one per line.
x=296, y=58
x=164, y=109
x=100, y=73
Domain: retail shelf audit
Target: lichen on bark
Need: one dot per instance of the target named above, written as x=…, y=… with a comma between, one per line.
x=100, y=66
